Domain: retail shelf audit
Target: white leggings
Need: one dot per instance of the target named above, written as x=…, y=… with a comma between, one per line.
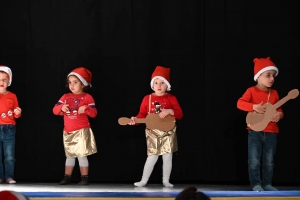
x=167, y=167
x=83, y=161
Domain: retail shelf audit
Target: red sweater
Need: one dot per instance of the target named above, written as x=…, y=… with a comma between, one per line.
x=254, y=95
x=75, y=121
x=8, y=103
x=167, y=101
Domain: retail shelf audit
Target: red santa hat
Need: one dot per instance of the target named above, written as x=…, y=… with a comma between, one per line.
x=263, y=64
x=163, y=74
x=84, y=75
x=11, y=195
x=8, y=71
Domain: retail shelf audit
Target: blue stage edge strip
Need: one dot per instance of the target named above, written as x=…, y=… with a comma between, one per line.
x=289, y=193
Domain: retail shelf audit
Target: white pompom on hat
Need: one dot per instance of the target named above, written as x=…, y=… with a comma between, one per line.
x=84, y=75
x=162, y=73
x=263, y=64
x=11, y=195
x=8, y=71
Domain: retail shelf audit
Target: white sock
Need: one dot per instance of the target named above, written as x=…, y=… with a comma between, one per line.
x=148, y=168
x=167, y=168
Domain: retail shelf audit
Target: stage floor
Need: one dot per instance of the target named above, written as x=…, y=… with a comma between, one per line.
x=44, y=191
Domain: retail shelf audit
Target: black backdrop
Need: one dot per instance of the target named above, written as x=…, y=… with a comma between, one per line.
x=209, y=46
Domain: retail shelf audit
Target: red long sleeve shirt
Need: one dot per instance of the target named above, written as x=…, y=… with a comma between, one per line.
x=254, y=95
x=167, y=101
x=8, y=103
x=74, y=121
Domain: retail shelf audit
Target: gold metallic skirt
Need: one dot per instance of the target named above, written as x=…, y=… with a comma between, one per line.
x=79, y=143
x=161, y=142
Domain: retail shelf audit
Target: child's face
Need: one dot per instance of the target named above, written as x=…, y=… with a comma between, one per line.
x=266, y=79
x=159, y=87
x=3, y=82
x=75, y=85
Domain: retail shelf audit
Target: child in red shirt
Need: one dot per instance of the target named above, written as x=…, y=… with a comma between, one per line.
x=76, y=107
x=159, y=142
x=9, y=110
x=262, y=145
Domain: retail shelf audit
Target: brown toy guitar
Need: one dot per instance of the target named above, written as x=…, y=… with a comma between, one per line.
x=153, y=121
x=259, y=122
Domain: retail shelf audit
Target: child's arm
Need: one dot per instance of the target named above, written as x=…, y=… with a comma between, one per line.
x=58, y=108
x=144, y=107
x=277, y=117
x=89, y=109
x=17, y=110
x=176, y=110
x=244, y=103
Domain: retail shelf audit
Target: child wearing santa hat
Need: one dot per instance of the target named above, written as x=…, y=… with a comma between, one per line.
x=159, y=142
x=9, y=110
x=78, y=137
x=262, y=145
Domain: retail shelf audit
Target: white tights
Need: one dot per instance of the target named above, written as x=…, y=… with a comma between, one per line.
x=148, y=168
x=83, y=161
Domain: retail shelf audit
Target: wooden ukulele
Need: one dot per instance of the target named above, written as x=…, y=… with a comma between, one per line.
x=259, y=122
x=153, y=121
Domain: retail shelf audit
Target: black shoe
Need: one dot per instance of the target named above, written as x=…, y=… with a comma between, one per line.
x=84, y=180
x=66, y=180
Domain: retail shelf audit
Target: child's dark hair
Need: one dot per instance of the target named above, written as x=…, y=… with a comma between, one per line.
x=85, y=88
x=191, y=193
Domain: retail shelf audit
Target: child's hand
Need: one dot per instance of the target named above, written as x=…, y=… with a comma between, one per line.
x=81, y=109
x=65, y=108
x=132, y=122
x=276, y=117
x=260, y=108
x=17, y=111
x=165, y=112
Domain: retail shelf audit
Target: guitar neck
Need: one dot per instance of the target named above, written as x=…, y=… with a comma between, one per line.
x=140, y=120
x=281, y=102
